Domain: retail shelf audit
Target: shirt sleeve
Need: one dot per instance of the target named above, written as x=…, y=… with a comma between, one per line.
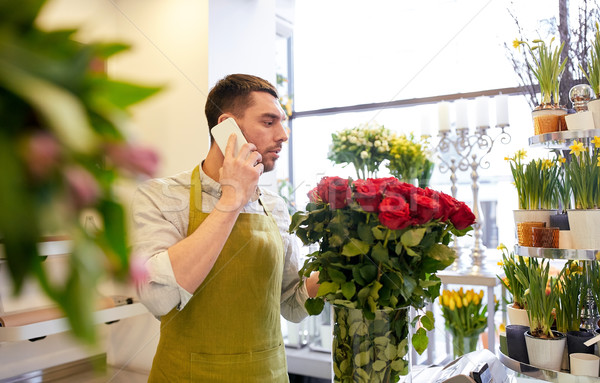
x=293, y=296
x=155, y=230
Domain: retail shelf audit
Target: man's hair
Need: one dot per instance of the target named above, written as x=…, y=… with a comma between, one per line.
x=232, y=94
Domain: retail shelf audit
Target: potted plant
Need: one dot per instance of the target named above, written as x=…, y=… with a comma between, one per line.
x=536, y=182
x=465, y=318
x=592, y=74
x=547, y=67
x=572, y=287
x=63, y=151
x=517, y=313
x=381, y=242
x=545, y=346
x=584, y=176
x=365, y=146
x=409, y=160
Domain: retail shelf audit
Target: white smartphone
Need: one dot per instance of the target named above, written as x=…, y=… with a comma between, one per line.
x=222, y=131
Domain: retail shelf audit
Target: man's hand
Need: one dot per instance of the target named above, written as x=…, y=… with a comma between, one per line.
x=239, y=175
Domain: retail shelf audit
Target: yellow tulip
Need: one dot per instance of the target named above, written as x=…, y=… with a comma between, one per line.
x=452, y=306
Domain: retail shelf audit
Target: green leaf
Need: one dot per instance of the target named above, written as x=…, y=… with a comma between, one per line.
x=380, y=253
x=379, y=233
x=442, y=253
x=368, y=272
x=420, y=340
x=121, y=94
x=348, y=289
x=298, y=219
x=399, y=365
x=427, y=321
x=365, y=233
x=355, y=247
x=358, y=328
x=413, y=237
x=314, y=306
x=336, y=275
x=379, y=365
x=327, y=288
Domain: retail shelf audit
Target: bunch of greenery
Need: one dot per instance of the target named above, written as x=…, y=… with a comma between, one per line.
x=584, y=174
x=547, y=67
x=410, y=159
x=536, y=181
x=564, y=190
x=510, y=264
x=570, y=304
x=62, y=152
x=365, y=146
x=541, y=296
x=593, y=64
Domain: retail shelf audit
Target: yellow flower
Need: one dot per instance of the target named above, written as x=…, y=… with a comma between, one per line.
x=596, y=141
x=547, y=164
x=562, y=160
x=516, y=43
x=507, y=158
x=521, y=154
x=598, y=160
x=501, y=247
x=576, y=148
x=452, y=305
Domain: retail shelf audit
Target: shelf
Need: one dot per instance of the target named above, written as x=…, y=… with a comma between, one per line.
x=572, y=254
x=562, y=140
x=546, y=375
x=55, y=326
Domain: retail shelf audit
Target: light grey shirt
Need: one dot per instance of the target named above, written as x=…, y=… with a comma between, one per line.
x=160, y=214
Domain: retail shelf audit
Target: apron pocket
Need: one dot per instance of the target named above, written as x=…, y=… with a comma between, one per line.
x=262, y=366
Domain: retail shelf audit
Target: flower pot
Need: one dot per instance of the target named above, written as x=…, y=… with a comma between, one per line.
x=517, y=316
x=575, y=340
x=585, y=228
x=370, y=350
x=594, y=107
x=580, y=121
x=525, y=232
x=464, y=344
x=546, y=353
x=583, y=364
x=546, y=237
x=546, y=120
x=560, y=220
x=564, y=239
x=515, y=342
x=534, y=215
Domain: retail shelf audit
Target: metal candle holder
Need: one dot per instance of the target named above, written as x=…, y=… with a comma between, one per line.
x=470, y=151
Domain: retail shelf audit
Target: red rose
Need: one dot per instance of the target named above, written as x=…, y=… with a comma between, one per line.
x=367, y=194
x=424, y=209
x=335, y=191
x=446, y=204
x=394, y=213
x=313, y=195
x=462, y=217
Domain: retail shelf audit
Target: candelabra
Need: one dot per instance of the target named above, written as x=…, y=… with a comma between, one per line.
x=470, y=151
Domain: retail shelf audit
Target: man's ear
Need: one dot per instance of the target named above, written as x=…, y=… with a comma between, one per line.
x=223, y=117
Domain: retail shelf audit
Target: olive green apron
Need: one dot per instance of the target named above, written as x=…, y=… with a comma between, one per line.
x=230, y=329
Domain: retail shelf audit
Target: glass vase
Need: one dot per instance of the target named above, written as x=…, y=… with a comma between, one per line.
x=464, y=344
x=370, y=350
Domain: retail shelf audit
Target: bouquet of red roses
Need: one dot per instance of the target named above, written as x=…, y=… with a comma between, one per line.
x=381, y=241
x=378, y=235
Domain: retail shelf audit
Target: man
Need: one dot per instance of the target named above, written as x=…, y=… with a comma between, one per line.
x=222, y=265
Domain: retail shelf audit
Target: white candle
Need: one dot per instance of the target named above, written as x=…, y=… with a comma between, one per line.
x=462, y=118
x=443, y=117
x=501, y=110
x=483, y=114
x=426, y=124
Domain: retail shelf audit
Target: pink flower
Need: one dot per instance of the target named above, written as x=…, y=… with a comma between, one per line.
x=41, y=152
x=132, y=158
x=83, y=187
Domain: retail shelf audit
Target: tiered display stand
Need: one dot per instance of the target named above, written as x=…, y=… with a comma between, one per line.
x=561, y=141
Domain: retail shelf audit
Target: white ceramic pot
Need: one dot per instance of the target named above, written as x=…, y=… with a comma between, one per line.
x=585, y=228
x=517, y=316
x=546, y=353
x=594, y=107
x=564, y=239
x=537, y=215
x=580, y=120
